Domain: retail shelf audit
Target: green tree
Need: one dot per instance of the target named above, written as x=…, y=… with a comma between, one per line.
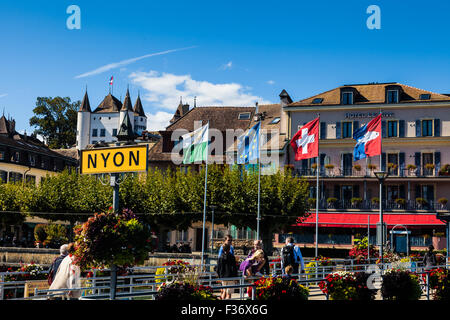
x=56, y=120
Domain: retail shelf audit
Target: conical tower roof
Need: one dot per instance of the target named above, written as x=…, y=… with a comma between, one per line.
x=109, y=104
x=85, y=105
x=138, y=107
x=126, y=130
x=127, y=103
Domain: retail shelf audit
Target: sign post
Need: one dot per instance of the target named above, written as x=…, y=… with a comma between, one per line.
x=115, y=160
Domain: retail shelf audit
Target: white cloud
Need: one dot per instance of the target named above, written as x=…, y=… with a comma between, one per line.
x=271, y=82
x=158, y=121
x=227, y=65
x=122, y=63
x=164, y=90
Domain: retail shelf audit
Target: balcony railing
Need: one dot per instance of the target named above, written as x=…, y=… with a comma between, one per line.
x=387, y=205
x=352, y=172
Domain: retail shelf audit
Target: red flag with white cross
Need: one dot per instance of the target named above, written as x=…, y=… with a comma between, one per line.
x=306, y=141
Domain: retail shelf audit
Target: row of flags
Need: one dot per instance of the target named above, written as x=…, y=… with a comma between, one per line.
x=305, y=142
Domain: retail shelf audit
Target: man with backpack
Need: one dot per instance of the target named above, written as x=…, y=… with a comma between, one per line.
x=291, y=256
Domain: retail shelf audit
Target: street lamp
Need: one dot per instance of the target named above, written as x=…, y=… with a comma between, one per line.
x=381, y=176
x=260, y=116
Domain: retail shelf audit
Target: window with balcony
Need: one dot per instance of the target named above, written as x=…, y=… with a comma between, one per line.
x=427, y=164
x=392, y=164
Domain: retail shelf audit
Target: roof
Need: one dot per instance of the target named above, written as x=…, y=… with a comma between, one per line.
x=220, y=118
x=360, y=220
x=5, y=126
x=70, y=153
x=85, y=105
x=126, y=106
x=372, y=93
x=109, y=104
x=138, y=109
x=126, y=130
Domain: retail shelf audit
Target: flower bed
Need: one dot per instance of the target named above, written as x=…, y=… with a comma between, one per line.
x=347, y=286
x=360, y=251
x=400, y=284
x=439, y=281
x=280, y=288
x=310, y=268
x=184, y=291
x=175, y=267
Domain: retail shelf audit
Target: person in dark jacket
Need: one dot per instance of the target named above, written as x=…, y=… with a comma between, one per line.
x=226, y=268
x=429, y=259
x=63, y=250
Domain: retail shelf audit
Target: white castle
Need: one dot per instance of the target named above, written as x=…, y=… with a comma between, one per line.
x=104, y=123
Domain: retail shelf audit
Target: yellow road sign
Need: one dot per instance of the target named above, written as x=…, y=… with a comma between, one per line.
x=116, y=159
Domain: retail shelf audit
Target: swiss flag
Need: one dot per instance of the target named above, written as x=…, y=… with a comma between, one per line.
x=306, y=141
x=373, y=146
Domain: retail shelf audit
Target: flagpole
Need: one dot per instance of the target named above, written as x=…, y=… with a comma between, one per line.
x=204, y=201
x=317, y=195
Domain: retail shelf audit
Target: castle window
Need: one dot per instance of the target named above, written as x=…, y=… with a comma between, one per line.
x=94, y=132
x=114, y=133
x=102, y=132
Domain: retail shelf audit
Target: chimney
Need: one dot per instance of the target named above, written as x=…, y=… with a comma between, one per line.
x=285, y=99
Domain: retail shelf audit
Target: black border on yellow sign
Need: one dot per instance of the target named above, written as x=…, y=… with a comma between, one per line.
x=115, y=148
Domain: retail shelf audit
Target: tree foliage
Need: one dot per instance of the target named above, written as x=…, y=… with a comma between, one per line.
x=56, y=120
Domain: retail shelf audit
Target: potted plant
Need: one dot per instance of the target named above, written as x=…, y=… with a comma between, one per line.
x=400, y=202
x=430, y=166
x=279, y=288
x=331, y=201
x=344, y=285
x=400, y=284
x=312, y=202
x=443, y=202
x=356, y=201
x=371, y=166
x=184, y=291
x=421, y=202
x=40, y=234
x=357, y=167
x=375, y=200
x=445, y=170
x=392, y=166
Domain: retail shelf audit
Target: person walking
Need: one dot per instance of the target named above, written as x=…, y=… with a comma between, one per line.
x=226, y=268
x=67, y=277
x=263, y=267
x=429, y=259
x=291, y=256
x=228, y=240
x=56, y=262
x=250, y=265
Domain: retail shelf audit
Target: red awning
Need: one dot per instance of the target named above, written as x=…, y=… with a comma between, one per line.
x=360, y=220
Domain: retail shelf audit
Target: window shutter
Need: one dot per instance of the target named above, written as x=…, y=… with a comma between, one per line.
x=322, y=162
x=383, y=128
x=437, y=127
x=401, y=128
x=356, y=191
x=355, y=126
x=417, y=156
x=401, y=160
x=418, y=128
x=383, y=161
x=323, y=130
x=338, y=130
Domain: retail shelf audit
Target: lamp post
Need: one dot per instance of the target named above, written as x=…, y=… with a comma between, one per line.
x=381, y=176
x=259, y=116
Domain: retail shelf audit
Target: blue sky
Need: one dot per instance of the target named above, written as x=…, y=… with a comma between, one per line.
x=238, y=52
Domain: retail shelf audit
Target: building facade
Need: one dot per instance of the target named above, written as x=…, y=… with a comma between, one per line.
x=415, y=152
x=103, y=124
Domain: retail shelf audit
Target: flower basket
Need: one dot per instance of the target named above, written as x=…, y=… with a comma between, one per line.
x=325, y=264
x=329, y=166
x=400, y=285
x=375, y=200
x=356, y=201
x=421, y=202
x=445, y=170
x=400, y=202
x=429, y=166
x=439, y=280
x=357, y=167
x=174, y=268
x=280, y=288
x=331, y=202
x=371, y=167
x=347, y=286
x=184, y=291
x=443, y=202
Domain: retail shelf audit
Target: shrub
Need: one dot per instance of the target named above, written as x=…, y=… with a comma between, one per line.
x=280, y=288
x=439, y=281
x=182, y=291
x=56, y=235
x=400, y=285
x=175, y=267
x=347, y=286
x=40, y=233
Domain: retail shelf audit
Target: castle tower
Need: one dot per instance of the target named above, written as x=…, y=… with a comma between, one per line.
x=140, y=119
x=83, y=123
x=126, y=108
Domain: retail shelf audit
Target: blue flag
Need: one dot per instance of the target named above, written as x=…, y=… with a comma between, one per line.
x=248, y=145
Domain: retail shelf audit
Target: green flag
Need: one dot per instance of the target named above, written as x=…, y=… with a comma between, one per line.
x=195, y=145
